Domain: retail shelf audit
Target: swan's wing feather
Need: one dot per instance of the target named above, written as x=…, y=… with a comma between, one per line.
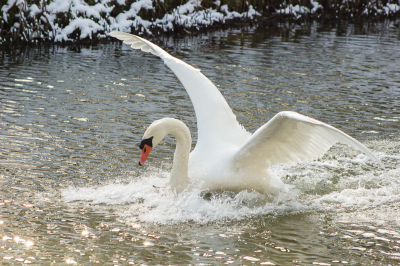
x=135, y=41
x=215, y=119
x=289, y=138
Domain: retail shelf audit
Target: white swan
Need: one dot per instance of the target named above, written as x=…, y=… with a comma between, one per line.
x=226, y=156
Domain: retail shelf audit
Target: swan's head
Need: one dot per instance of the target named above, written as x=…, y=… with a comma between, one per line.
x=153, y=135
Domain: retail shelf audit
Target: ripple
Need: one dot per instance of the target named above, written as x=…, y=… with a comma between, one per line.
x=71, y=191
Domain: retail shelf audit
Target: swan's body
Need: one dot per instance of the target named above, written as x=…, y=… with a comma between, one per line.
x=226, y=156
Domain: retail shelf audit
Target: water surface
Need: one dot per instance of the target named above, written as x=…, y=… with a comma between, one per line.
x=71, y=191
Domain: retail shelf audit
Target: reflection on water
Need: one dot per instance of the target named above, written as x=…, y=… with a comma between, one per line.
x=71, y=191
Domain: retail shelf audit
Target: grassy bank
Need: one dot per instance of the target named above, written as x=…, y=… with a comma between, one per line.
x=34, y=21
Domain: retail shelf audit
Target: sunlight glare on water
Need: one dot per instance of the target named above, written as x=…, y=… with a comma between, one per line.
x=72, y=193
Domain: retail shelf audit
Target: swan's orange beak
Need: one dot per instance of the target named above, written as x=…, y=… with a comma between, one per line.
x=145, y=153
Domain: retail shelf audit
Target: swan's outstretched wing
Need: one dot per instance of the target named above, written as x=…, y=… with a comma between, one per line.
x=215, y=119
x=289, y=138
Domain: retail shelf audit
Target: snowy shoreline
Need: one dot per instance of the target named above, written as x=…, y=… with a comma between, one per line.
x=77, y=20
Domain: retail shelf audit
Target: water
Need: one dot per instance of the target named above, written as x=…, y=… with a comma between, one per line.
x=71, y=192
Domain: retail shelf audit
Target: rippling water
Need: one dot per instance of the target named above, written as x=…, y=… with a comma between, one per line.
x=71, y=191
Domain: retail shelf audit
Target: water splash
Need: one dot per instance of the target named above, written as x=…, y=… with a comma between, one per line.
x=335, y=184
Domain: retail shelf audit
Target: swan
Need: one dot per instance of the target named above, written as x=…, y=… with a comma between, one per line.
x=227, y=156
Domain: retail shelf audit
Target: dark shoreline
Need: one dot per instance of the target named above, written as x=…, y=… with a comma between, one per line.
x=363, y=26
x=366, y=13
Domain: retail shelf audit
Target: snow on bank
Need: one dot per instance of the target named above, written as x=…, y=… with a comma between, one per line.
x=58, y=19
x=298, y=11
x=97, y=19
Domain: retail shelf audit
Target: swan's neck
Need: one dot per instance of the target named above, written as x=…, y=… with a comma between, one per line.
x=179, y=179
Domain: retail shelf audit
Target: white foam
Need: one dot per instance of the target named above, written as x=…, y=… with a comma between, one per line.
x=335, y=185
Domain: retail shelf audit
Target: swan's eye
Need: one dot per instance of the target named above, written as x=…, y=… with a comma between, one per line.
x=148, y=142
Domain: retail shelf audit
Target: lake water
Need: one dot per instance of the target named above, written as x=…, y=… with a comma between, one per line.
x=72, y=193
